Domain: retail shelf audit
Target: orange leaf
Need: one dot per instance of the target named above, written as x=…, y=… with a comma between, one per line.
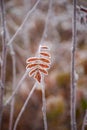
x=31, y=59
x=32, y=72
x=43, y=71
x=44, y=47
x=38, y=76
x=45, y=60
x=44, y=65
x=45, y=54
x=31, y=65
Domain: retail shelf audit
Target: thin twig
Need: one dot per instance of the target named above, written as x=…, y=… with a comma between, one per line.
x=0, y=61
x=3, y=58
x=44, y=104
x=14, y=80
x=13, y=88
x=83, y=9
x=16, y=89
x=21, y=26
x=73, y=85
x=46, y=22
x=84, y=121
x=24, y=106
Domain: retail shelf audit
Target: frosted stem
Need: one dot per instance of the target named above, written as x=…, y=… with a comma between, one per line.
x=73, y=82
x=3, y=58
x=13, y=88
x=44, y=104
x=14, y=80
x=84, y=121
x=24, y=106
x=83, y=9
x=46, y=22
x=21, y=26
x=16, y=89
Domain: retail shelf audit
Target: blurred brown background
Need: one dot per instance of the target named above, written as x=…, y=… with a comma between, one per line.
x=59, y=39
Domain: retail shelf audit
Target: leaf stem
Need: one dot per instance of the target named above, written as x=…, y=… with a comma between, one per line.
x=44, y=104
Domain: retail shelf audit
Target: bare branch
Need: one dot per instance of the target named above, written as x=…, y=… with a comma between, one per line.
x=14, y=80
x=13, y=87
x=84, y=121
x=24, y=106
x=0, y=61
x=16, y=89
x=44, y=105
x=21, y=26
x=3, y=58
x=73, y=82
x=83, y=9
x=46, y=22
